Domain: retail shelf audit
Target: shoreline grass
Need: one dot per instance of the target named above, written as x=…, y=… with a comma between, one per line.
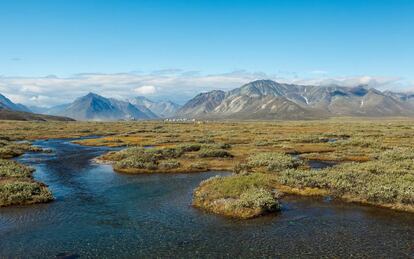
x=17, y=186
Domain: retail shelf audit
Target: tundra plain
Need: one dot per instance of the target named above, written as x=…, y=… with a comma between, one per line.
x=371, y=161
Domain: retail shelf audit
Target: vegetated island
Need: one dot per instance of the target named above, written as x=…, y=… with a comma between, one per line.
x=372, y=160
x=17, y=186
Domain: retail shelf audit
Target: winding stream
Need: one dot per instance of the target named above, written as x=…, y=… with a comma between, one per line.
x=99, y=213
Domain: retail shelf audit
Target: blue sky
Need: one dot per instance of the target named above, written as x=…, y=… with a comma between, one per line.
x=289, y=39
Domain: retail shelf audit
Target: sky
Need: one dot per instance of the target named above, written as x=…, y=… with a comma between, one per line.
x=52, y=51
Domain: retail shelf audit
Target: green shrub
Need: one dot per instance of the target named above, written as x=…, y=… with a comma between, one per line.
x=13, y=149
x=189, y=147
x=273, y=161
x=169, y=152
x=9, y=168
x=22, y=192
x=360, y=141
x=242, y=168
x=137, y=163
x=258, y=197
x=389, y=179
x=169, y=164
x=210, y=152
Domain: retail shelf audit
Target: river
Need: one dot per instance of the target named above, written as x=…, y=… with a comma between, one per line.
x=100, y=213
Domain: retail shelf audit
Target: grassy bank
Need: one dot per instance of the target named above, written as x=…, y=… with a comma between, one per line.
x=17, y=186
x=387, y=180
x=183, y=158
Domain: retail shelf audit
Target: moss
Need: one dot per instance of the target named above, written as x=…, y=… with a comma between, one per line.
x=239, y=196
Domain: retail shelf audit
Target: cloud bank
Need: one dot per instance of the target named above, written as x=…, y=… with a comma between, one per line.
x=172, y=84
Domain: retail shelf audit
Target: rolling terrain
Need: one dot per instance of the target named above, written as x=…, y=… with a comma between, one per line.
x=13, y=111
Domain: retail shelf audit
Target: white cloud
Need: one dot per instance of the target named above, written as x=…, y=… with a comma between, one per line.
x=146, y=89
x=173, y=84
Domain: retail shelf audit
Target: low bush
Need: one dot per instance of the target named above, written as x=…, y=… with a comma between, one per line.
x=9, y=168
x=189, y=147
x=212, y=152
x=273, y=161
x=23, y=192
x=259, y=198
x=387, y=180
x=169, y=164
x=13, y=149
x=136, y=163
x=147, y=158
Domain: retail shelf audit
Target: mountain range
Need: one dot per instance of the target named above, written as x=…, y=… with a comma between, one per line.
x=261, y=99
x=266, y=99
x=98, y=108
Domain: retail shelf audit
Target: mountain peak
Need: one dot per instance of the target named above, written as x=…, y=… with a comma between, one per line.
x=93, y=95
x=96, y=107
x=163, y=109
x=260, y=88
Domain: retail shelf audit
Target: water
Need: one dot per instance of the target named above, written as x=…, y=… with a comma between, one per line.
x=99, y=213
x=318, y=164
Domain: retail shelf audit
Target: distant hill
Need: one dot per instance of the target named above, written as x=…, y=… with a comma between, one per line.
x=98, y=108
x=161, y=109
x=5, y=103
x=27, y=116
x=266, y=99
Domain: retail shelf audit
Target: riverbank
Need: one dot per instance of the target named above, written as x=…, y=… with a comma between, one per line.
x=386, y=181
x=17, y=186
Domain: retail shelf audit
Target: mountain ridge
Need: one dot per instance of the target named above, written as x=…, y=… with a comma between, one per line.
x=267, y=99
x=98, y=108
x=161, y=109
